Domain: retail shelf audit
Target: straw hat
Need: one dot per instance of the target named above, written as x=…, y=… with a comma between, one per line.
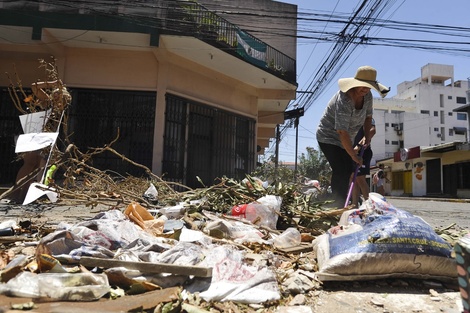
x=366, y=76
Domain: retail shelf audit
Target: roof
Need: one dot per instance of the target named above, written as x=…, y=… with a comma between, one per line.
x=464, y=108
x=445, y=147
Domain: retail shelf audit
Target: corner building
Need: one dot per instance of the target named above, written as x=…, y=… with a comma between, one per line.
x=191, y=92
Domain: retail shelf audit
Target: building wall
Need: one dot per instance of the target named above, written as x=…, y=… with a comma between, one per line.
x=415, y=130
x=91, y=68
x=98, y=69
x=378, y=141
x=456, y=156
x=419, y=176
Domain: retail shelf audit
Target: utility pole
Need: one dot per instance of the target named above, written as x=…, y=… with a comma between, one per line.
x=295, y=113
x=296, y=125
x=276, y=161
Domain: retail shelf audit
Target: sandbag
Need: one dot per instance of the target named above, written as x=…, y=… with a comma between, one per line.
x=378, y=241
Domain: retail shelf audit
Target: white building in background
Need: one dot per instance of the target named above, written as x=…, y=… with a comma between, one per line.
x=421, y=114
x=425, y=117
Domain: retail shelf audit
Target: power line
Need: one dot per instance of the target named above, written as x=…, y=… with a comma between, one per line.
x=344, y=31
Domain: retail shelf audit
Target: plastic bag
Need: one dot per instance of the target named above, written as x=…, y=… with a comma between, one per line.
x=73, y=287
x=289, y=238
x=379, y=241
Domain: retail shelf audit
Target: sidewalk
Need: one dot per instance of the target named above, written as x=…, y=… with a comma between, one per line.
x=429, y=199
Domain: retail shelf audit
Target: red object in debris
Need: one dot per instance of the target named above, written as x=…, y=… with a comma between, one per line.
x=239, y=210
x=256, y=213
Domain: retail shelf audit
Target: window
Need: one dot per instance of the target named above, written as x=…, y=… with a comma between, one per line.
x=461, y=100
x=387, y=124
x=436, y=113
x=436, y=129
x=449, y=97
x=97, y=114
x=387, y=142
x=461, y=116
x=394, y=142
x=451, y=132
x=450, y=113
x=463, y=171
x=424, y=111
x=203, y=142
x=9, y=126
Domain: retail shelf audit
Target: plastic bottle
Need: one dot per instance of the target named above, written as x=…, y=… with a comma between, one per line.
x=289, y=238
x=256, y=213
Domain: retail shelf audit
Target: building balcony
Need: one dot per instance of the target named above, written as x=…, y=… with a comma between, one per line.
x=157, y=17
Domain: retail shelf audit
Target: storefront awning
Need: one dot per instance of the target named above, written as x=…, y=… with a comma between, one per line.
x=464, y=108
x=460, y=130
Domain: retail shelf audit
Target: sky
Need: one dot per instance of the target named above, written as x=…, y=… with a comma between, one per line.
x=393, y=64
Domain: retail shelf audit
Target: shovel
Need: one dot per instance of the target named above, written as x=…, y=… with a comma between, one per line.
x=351, y=186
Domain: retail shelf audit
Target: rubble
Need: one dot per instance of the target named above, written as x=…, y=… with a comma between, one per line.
x=292, y=269
x=169, y=227
x=171, y=241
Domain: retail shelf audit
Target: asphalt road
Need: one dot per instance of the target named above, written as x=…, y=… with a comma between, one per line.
x=436, y=212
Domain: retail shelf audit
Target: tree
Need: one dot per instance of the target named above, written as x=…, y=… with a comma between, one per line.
x=268, y=171
x=314, y=165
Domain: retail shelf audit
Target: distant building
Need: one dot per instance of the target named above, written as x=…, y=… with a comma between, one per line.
x=422, y=135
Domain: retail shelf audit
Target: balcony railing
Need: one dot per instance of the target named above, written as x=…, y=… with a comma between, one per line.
x=191, y=18
x=186, y=18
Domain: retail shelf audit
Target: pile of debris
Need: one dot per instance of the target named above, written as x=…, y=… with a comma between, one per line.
x=236, y=246
x=180, y=250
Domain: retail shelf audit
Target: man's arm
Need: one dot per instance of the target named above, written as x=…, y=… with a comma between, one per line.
x=347, y=145
x=367, y=130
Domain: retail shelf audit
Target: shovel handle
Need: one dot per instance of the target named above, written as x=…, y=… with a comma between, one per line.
x=351, y=186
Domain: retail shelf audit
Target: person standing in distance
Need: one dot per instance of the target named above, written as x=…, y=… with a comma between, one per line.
x=349, y=109
x=381, y=180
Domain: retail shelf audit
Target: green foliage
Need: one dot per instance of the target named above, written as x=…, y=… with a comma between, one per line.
x=267, y=171
x=268, y=179
x=314, y=165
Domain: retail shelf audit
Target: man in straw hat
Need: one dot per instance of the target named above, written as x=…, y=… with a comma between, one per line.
x=347, y=111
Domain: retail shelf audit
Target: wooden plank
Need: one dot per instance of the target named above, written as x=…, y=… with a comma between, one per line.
x=147, y=267
x=10, y=239
x=129, y=303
